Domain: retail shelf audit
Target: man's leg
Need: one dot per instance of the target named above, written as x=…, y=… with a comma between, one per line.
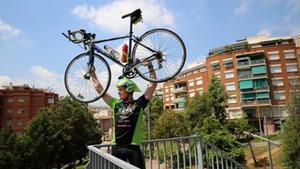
x=136, y=157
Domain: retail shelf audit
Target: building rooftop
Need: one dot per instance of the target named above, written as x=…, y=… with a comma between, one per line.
x=249, y=41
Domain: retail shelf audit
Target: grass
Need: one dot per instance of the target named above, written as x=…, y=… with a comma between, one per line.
x=261, y=154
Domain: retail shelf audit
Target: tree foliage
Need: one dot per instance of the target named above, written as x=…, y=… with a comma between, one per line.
x=213, y=131
x=198, y=108
x=237, y=127
x=291, y=135
x=55, y=136
x=170, y=124
x=156, y=110
x=218, y=98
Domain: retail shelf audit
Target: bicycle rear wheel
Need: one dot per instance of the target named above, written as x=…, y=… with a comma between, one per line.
x=170, y=48
x=80, y=86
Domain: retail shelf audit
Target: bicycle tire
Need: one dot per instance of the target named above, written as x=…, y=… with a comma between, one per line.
x=74, y=75
x=151, y=39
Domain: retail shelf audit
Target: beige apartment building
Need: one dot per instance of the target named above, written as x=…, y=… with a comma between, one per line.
x=258, y=74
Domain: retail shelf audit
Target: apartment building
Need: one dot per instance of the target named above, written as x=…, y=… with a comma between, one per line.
x=19, y=104
x=103, y=116
x=188, y=83
x=258, y=73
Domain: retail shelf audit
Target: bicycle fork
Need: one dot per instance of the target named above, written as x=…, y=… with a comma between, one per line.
x=90, y=65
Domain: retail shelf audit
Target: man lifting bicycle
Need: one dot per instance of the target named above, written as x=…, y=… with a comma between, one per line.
x=127, y=117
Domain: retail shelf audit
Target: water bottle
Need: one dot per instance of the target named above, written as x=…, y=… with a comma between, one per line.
x=124, y=57
x=115, y=54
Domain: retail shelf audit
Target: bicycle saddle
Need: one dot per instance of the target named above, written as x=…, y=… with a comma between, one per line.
x=135, y=16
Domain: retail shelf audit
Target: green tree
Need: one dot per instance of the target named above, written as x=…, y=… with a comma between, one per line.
x=291, y=135
x=237, y=127
x=171, y=124
x=197, y=109
x=55, y=136
x=213, y=131
x=8, y=149
x=79, y=129
x=156, y=109
x=41, y=142
x=218, y=98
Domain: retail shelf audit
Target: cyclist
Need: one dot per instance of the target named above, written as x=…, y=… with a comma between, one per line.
x=127, y=117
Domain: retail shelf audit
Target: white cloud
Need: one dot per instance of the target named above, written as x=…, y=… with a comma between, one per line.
x=242, y=9
x=108, y=16
x=45, y=78
x=294, y=5
x=7, y=31
x=265, y=31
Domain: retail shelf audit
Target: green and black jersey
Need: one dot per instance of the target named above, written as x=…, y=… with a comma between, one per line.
x=127, y=121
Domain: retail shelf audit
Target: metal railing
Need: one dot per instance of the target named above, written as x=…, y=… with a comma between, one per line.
x=171, y=153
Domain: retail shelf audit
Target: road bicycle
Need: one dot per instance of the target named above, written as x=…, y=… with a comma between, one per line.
x=162, y=47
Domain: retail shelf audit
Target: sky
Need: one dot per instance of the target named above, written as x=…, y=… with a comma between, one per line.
x=33, y=51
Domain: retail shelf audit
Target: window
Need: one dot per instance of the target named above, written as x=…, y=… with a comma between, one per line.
x=20, y=122
x=166, y=90
x=289, y=54
x=199, y=81
x=291, y=68
x=232, y=99
x=215, y=65
x=277, y=82
x=171, y=89
x=228, y=63
x=274, y=55
x=50, y=100
x=293, y=81
x=9, y=111
x=230, y=86
x=10, y=100
x=172, y=98
x=234, y=113
x=8, y=123
x=218, y=75
x=275, y=69
x=21, y=100
x=20, y=111
x=279, y=96
x=228, y=75
x=200, y=90
x=191, y=83
x=192, y=94
x=167, y=99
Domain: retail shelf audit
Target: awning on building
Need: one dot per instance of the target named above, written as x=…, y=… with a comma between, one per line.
x=248, y=96
x=260, y=83
x=214, y=64
x=258, y=70
x=227, y=61
x=246, y=84
x=181, y=105
x=262, y=95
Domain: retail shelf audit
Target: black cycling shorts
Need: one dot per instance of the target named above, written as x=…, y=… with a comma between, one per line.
x=130, y=153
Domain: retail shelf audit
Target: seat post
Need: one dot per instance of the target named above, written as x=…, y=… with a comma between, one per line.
x=130, y=42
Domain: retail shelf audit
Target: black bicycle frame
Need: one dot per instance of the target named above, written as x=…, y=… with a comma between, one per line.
x=94, y=47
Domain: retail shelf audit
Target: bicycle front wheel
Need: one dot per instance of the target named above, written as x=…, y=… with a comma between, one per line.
x=170, y=48
x=78, y=81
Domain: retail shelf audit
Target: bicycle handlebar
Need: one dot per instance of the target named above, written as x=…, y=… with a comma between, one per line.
x=79, y=36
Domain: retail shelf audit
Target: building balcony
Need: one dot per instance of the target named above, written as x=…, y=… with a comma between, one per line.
x=179, y=99
x=180, y=90
x=259, y=61
x=256, y=89
x=250, y=63
x=253, y=103
x=251, y=76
